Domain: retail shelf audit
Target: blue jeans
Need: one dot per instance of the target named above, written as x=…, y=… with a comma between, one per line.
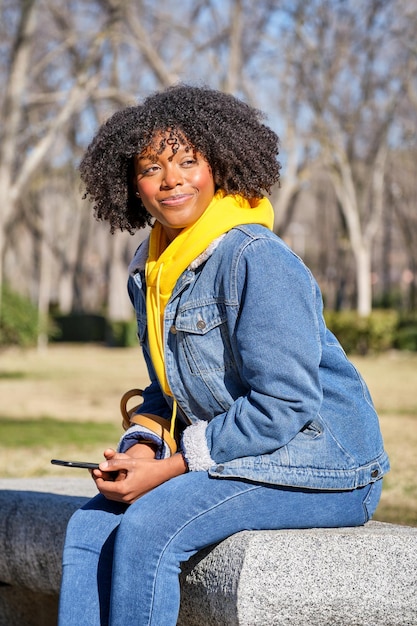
x=121, y=563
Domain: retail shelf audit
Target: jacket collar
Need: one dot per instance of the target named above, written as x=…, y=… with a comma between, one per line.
x=138, y=262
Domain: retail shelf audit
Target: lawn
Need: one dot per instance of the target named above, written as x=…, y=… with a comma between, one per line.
x=64, y=403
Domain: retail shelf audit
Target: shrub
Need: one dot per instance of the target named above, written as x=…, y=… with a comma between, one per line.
x=18, y=320
x=361, y=335
x=81, y=327
x=406, y=333
x=122, y=334
x=88, y=327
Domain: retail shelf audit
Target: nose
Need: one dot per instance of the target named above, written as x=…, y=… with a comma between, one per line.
x=172, y=176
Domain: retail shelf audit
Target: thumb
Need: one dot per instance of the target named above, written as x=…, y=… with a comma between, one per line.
x=109, y=453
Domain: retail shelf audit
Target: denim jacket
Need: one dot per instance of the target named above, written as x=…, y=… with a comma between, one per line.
x=264, y=390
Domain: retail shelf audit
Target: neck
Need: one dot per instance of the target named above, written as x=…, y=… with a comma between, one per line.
x=170, y=234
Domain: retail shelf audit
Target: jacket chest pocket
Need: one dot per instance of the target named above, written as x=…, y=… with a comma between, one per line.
x=202, y=338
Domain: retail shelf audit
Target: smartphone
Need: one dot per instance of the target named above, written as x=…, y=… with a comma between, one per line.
x=81, y=464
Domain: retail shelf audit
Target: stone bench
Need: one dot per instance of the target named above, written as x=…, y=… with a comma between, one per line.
x=326, y=577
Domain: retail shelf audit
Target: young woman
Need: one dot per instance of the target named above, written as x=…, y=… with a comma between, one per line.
x=254, y=418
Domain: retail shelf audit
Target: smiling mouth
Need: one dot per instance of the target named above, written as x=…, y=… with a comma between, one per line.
x=176, y=200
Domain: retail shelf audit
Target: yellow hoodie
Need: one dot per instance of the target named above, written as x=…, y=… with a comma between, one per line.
x=166, y=263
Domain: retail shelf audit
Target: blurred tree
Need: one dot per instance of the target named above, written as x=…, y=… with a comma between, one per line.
x=47, y=77
x=337, y=79
x=402, y=197
x=351, y=73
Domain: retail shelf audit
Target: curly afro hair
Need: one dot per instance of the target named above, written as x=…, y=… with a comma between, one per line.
x=240, y=149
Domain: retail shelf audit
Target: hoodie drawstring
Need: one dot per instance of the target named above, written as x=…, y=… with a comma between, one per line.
x=159, y=338
x=158, y=308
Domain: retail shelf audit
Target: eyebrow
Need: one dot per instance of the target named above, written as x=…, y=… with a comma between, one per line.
x=147, y=157
x=153, y=156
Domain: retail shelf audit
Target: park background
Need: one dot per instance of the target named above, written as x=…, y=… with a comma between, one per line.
x=337, y=80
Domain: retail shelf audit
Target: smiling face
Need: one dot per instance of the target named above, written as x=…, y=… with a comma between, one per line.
x=176, y=184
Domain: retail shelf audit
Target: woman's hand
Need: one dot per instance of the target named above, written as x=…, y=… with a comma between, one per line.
x=126, y=477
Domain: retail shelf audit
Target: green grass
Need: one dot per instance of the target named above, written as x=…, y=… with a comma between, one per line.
x=64, y=403
x=48, y=432
x=12, y=375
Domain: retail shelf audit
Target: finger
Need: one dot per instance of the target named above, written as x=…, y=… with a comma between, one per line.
x=117, y=464
x=111, y=491
x=121, y=475
x=108, y=476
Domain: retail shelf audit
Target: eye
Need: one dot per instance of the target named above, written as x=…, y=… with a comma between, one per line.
x=149, y=170
x=188, y=162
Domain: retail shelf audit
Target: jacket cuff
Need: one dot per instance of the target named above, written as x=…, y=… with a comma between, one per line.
x=195, y=449
x=136, y=433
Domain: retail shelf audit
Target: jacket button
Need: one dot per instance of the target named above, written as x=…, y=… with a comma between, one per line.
x=220, y=468
x=374, y=473
x=173, y=330
x=201, y=324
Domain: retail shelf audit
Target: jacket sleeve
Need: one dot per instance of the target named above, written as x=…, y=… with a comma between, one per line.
x=277, y=349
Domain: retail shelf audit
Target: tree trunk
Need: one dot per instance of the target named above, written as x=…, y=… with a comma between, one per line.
x=361, y=246
x=118, y=303
x=363, y=280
